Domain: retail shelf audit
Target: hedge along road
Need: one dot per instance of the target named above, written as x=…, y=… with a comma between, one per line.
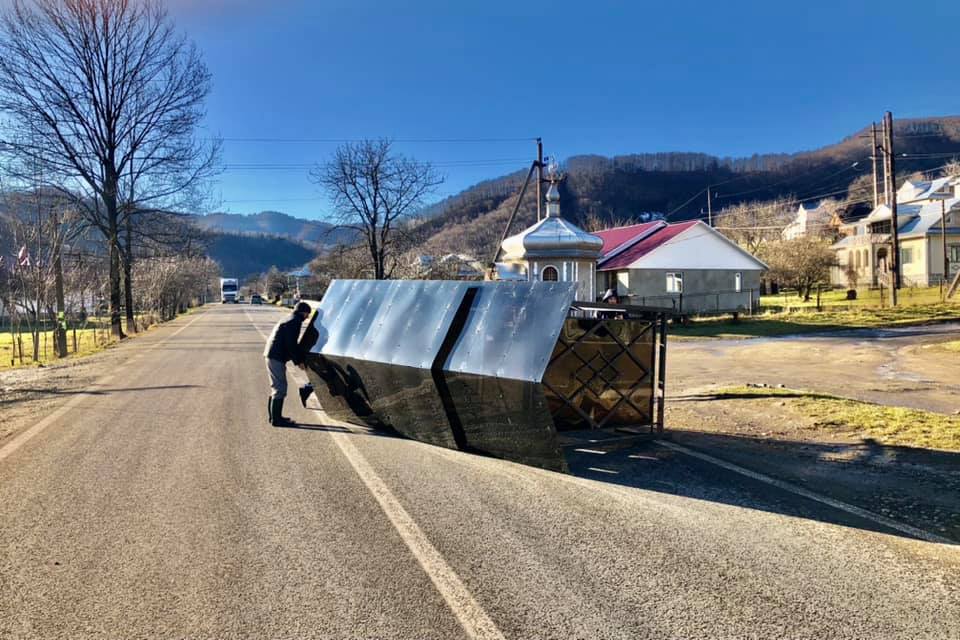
x=164, y=506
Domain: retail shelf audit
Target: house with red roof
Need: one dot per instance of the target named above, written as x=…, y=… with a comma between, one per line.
x=687, y=266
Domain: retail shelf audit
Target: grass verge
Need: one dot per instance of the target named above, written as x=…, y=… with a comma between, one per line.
x=89, y=340
x=953, y=345
x=781, y=324
x=898, y=426
x=837, y=299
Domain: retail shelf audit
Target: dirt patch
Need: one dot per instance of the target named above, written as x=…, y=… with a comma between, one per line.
x=801, y=415
x=892, y=367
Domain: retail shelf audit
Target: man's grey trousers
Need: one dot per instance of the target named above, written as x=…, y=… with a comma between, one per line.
x=278, y=378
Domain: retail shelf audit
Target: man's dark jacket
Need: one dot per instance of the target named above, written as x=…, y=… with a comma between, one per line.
x=282, y=344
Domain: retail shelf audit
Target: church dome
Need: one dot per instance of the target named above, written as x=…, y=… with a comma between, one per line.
x=552, y=237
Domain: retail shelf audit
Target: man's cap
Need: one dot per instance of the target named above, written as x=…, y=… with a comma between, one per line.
x=609, y=293
x=302, y=307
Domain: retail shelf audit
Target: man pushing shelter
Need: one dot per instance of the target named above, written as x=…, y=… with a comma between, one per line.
x=282, y=347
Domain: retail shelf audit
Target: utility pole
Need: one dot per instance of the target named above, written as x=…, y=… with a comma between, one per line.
x=709, y=206
x=873, y=160
x=943, y=240
x=891, y=188
x=539, y=177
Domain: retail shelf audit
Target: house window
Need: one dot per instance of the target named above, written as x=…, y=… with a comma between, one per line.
x=549, y=274
x=953, y=251
x=906, y=256
x=738, y=282
x=858, y=259
x=674, y=283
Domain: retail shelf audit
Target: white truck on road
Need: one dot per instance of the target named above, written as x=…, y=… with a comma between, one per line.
x=228, y=290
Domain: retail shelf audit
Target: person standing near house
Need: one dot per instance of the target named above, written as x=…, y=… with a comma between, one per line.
x=282, y=347
x=610, y=297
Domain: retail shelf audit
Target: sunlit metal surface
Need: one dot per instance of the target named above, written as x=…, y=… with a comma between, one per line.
x=511, y=329
x=489, y=367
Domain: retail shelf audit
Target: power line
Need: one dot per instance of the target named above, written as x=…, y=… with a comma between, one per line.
x=260, y=140
x=304, y=166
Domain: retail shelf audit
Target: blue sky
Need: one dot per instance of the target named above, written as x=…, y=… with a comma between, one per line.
x=727, y=78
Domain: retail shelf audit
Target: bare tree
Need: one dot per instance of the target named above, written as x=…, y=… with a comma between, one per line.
x=751, y=224
x=803, y=262
x=106, y=96
x=952, y=169
x=373, y=190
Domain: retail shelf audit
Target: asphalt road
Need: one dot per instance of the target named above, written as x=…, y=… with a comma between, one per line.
x=161, y=504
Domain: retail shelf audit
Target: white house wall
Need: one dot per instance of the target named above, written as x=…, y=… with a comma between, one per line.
x=699, y=247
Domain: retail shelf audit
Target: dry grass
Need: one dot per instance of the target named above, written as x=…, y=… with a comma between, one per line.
x=810, y=321
x=888, y=425
x=88, y=341
x=953, y=345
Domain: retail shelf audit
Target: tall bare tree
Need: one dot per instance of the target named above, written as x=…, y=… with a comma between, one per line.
x=107, y=96
x=803, y=262
x=373, y=190
x=751, y=224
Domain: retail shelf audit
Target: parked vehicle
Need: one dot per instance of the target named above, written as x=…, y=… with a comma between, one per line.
x=256, y=299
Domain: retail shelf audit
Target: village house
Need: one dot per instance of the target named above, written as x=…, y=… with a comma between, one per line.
x=687, y=266
x=454, y=266
x=928, y=217
x=810, y=218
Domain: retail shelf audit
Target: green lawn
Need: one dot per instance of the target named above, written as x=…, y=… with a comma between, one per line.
x=810, y=320
x=837, y=298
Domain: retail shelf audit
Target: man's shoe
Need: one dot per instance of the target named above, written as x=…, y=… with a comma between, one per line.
x=305, y=392
x=277, y=417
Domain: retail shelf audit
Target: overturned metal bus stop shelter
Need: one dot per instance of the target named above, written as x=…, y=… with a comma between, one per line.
x=490, y=367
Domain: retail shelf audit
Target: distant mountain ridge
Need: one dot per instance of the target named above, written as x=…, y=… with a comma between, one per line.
x=274, y=223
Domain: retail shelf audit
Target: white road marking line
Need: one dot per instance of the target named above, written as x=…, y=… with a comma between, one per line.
x=22, y=439
x=610, y=471
x=810, y=495
x=471, y=615
x=474, y=620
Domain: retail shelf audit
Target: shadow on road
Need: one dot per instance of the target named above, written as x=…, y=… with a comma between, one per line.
x=31, y=393
x=315, y=427
x=917, y=487
x=754, y=394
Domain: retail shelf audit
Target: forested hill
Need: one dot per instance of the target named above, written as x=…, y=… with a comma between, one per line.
x=242, y=256
x=273, y=223
x=598, y=189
